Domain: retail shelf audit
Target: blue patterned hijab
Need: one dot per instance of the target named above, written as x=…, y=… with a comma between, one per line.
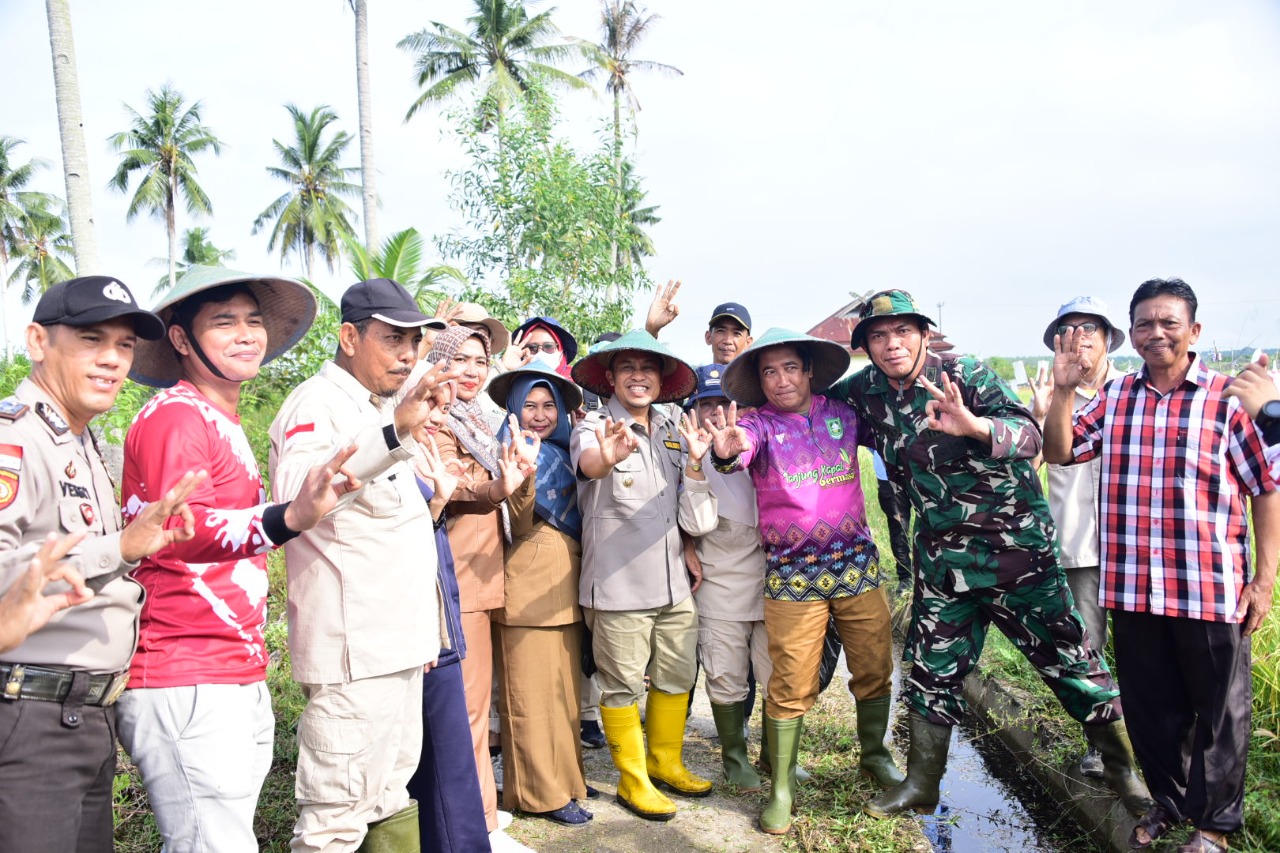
x=556, y=498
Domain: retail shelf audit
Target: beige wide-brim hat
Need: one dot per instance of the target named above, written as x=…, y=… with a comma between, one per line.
x=474, y=312
x=678, y=378
x=288, y=310
x=741, y=381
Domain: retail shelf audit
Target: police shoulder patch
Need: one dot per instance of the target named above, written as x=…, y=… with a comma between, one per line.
x=12, y=408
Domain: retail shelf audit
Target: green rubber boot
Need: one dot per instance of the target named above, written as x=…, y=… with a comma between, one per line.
x=784, y=745
x=396, y=834
x=926, y=762
x=873, y=723
x=733, y=747
x=801, y=775
x=1118, y=766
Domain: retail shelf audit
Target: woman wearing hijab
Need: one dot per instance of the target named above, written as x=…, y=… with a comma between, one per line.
x=478, y=528
x=539, y=638
x=544, y=340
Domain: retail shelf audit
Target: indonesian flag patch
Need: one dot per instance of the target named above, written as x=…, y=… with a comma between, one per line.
x=10, y=466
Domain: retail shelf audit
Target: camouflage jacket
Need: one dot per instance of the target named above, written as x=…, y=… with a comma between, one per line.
x=982, y=518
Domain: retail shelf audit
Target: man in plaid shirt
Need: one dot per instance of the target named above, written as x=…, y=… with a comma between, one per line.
x=1179, y=459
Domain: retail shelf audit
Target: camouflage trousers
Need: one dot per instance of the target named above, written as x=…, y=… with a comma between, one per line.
x=1038, y=616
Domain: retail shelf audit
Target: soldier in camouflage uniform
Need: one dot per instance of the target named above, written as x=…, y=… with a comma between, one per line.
x=960, y=443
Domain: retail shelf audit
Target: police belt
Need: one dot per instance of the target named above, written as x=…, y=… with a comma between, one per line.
x=20, y=681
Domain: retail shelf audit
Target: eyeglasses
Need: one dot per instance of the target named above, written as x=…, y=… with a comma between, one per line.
x=544, y=347
x=1087, y=328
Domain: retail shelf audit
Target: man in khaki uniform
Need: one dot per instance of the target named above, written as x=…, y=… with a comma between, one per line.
x=640, y=477
x=58, y=686
x=363, y=616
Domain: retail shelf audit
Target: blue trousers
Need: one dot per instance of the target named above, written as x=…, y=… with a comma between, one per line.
x=450, y=811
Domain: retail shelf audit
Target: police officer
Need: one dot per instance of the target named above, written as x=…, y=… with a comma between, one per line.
x=57, y=726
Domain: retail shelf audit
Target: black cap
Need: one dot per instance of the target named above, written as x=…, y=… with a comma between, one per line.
x=95, y=299
x=734, y=310
x=382, y=299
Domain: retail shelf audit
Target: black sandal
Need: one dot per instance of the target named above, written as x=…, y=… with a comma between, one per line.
x=1155, y=823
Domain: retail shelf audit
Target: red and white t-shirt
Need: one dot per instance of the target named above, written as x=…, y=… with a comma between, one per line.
x=205, y=609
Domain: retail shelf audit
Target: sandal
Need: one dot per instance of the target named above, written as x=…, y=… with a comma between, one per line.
x=1155, y=823
x=1199, y=843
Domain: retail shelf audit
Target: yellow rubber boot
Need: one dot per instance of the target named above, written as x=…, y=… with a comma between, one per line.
x=664, y=723
x=626, y=744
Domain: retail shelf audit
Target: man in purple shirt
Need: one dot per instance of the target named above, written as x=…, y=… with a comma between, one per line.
x=801, y=449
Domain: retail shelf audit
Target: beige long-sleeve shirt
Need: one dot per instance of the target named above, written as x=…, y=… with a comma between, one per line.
x=362, y=583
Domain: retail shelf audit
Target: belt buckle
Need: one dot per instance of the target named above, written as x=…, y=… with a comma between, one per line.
x=118, y=683
x=13, y=685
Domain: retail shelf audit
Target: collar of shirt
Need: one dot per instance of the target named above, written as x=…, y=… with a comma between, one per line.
x=1197, y=376
x=351, y=386
x=32, y=394
x=658, y=417
x=878, y=382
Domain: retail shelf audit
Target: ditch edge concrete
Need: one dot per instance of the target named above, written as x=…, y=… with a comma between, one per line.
x=1089, y=801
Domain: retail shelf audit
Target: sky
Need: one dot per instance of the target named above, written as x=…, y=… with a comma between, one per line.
x=995, y=159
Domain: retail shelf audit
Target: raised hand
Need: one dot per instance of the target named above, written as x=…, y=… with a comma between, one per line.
x=616, y=441
x=697, y=439
x=1254, y=387
x=512, y=472
x=526, y=442
x=416, y=406
x=432, y=468
x=727, y=437
x=25, y=608
x=514, y=356
x=948, y=413
x=663, y=309
x=1041, y=392
x=147, y=533
x=320, y=491
x=448, y=310
x=1070, y=366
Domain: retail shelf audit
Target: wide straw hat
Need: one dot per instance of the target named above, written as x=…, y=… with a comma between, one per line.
x=473, y=313
x=886, y=303
x=742, y=377
x=678, y=378
x=288, y=309
x=1094, y=308
x=501, y=384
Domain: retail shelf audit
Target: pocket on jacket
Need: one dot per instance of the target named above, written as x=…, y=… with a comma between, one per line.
x=331, y=759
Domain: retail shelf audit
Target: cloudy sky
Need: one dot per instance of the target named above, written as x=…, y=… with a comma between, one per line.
x=994, y=158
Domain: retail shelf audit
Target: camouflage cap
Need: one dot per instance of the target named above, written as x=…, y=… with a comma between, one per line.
x=886, y=303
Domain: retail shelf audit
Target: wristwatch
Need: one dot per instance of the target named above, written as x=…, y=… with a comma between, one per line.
x=695, y=467
x=1268, y=415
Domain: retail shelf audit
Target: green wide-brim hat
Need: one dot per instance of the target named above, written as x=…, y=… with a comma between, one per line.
x=288, y=309
x=741, y=382
x=886, y=303
x=500, y=385
x=678, y=378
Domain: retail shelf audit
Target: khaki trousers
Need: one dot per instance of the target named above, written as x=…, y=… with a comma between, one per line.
x=728, y=650
x=660, y=641
x=477, y=682
x=796, y=629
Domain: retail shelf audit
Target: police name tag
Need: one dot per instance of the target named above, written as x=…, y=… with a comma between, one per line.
x=672, y=445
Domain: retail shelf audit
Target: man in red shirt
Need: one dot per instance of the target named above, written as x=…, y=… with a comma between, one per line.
x=197, y=716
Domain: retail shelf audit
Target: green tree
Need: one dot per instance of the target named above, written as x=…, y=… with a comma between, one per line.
x=15, y=200
x=42, y=249
x=196, y=249
x=160, y=146
x=75, y=159
x=312, y=214
x=502, y=50
x=539, y=219
x=636, y=217
x=401, y=258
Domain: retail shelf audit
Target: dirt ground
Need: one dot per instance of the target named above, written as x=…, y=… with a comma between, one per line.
x=720, y=822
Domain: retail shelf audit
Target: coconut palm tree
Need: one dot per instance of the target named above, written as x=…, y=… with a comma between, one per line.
x=75, y=160
x=637, y=217
x=312, y=213
x=14, y=203
x=196, y=249
x=42, y=249
x=160, y=146
x=400, y=259
x=364, y=96
x=501, y=50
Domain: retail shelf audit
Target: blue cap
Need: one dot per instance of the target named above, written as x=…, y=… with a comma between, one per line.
x=734, y=310
x=709, y=376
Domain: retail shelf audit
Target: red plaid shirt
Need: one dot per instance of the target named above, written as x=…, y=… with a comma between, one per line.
x=1175, y=472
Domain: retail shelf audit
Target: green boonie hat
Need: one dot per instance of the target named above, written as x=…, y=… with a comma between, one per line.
x=288, y=309
x=741, y=381
x=678, y=378
x=886, y=303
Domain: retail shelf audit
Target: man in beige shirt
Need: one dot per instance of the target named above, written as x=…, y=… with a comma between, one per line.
x=363, y=616
x=640, y=478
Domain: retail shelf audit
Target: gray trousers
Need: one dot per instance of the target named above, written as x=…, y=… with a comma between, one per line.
x=1083, y=582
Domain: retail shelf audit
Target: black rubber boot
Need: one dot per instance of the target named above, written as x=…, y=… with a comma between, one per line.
x=926, y=762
